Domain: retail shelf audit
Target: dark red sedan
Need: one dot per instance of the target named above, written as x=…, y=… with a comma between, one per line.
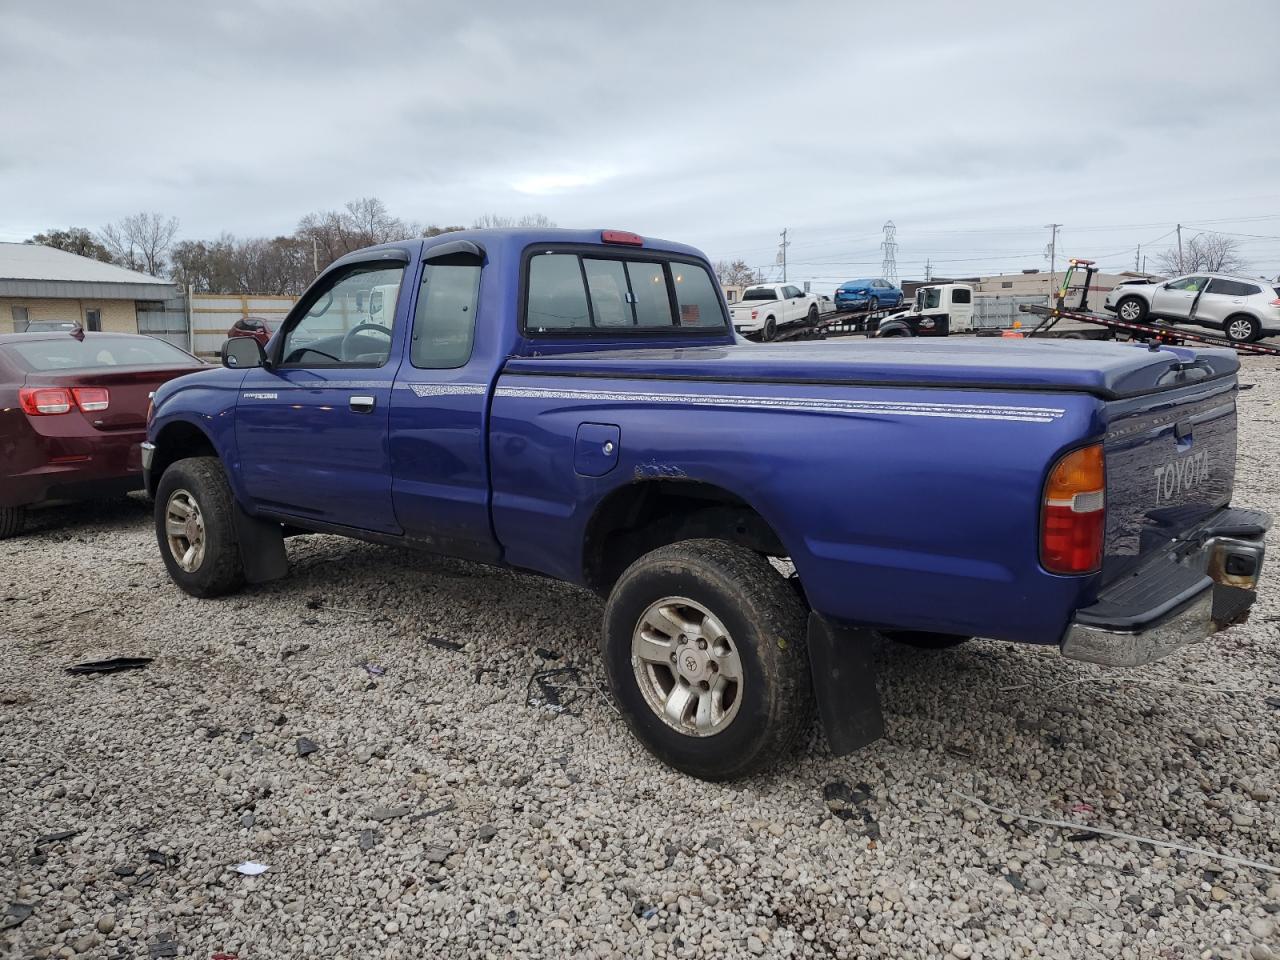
x=73, y=411
x=254, y=327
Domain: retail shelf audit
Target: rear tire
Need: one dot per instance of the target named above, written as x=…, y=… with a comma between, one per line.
x=813, y=313
x=12, y=521
x=873, y=304
x=1242, y=328
x=1132, y=309
x=923, y=640
x=770, y=332
x=196, y=530
x=704, y=648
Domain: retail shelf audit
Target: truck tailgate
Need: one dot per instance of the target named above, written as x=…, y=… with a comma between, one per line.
x=1170, y=462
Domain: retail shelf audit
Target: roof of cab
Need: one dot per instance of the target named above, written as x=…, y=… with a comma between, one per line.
x=524, y=237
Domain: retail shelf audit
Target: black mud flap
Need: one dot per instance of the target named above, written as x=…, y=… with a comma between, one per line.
x=261, y=548
x=844, y=681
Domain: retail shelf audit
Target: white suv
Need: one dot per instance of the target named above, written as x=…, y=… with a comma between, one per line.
x=1244, y=309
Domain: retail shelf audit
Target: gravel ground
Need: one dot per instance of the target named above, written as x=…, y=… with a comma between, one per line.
x=449, y=808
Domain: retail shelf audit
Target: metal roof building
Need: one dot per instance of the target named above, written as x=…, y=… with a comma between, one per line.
x=43, y=283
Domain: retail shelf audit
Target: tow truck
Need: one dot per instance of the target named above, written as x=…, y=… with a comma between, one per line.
x=1156, y=333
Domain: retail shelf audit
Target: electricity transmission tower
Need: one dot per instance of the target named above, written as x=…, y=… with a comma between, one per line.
x=889, y=268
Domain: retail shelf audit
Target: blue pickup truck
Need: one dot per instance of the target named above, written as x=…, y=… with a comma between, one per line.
x=575, y=403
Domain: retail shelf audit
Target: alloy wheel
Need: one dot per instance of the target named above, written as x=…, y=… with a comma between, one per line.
x=687, y=667
x=184, y=530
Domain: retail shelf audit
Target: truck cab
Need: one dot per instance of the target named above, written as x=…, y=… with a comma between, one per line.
x=939, y=310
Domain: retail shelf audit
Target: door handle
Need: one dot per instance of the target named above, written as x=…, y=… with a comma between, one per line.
x=361, y=404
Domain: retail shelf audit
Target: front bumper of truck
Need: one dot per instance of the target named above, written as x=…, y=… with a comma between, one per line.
x=1205, y=581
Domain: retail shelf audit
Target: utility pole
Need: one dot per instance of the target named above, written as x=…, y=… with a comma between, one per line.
x=1137, y=258
x=1053, y=253
x=928, y=270
x=1180, y=268
x=782, y=253
x=315, y=256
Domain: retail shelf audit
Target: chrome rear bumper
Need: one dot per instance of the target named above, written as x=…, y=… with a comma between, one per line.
x=1206, y=584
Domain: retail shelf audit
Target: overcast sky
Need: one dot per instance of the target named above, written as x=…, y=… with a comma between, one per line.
x=970, y=125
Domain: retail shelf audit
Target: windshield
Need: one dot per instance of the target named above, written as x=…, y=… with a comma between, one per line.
x=97, y=352
x=760, y=293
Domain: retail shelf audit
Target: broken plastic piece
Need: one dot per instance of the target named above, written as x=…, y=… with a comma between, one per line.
x=113, y=665
x=251, y=869
x=15, y=914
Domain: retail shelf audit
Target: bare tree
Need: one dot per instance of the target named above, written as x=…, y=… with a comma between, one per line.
x=736, y=274
x=75, y=240
x=497, y=220
x=141, y=241
x=330, y=234
x=433, y=230
x=1206, y=253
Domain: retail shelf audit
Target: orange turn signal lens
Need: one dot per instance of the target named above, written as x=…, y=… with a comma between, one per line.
x=1073, y=517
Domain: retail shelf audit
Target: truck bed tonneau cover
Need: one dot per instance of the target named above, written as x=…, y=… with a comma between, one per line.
x=1108, y=371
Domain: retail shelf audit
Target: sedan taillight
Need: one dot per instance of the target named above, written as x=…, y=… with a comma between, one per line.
x=55, y=401
x=45, y=401
x=1073, y=516
x=91, y=399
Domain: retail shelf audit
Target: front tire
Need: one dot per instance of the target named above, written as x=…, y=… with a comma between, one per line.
x=1132, y=309
x=195, y=526
x=1242, y=329
x=704, y=648
x=12, y=520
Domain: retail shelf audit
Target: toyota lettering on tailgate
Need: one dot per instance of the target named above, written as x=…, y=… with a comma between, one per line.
x=1182, y=475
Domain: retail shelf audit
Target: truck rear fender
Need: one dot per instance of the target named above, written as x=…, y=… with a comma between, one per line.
x=643, y=515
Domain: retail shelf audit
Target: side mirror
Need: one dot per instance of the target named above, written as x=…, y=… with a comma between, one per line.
x=243, y=353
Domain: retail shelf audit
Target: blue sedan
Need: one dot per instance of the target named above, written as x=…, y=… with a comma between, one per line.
x=870, y=294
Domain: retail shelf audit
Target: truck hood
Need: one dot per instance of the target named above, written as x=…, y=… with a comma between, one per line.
x=1106, y=370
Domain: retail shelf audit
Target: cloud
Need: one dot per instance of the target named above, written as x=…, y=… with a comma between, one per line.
x=716, y=123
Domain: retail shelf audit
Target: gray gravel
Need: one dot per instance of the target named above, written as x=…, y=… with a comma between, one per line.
x=441, y=813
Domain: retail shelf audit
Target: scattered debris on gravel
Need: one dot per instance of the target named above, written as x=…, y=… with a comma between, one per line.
x=420, y=754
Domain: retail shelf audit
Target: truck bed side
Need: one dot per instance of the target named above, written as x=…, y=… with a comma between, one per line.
x=909, y=508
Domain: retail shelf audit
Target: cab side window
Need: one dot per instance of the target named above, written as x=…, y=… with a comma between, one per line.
x=349, y=322
x=444, y=323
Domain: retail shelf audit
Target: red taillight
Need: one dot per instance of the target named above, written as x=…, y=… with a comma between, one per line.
x=53, y=401
x=91, y=399
x=755, y=314
x=1073, y=519
x=1276, y=302
x=45, y=401
x=622, y=236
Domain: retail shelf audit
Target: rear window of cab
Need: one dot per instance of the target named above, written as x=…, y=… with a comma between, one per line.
x=590, y=291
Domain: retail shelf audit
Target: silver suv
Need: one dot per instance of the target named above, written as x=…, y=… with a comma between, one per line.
x=1244, y=309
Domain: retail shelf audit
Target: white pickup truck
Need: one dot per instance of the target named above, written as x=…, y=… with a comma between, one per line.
x=765, y=308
